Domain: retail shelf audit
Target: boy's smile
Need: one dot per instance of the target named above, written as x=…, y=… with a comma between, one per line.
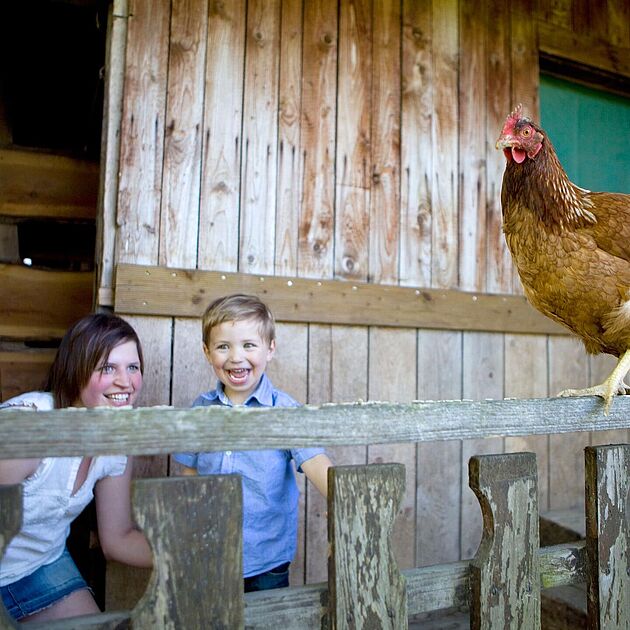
x=239, y=356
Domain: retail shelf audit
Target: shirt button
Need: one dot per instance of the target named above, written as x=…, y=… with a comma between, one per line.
x=228, y=453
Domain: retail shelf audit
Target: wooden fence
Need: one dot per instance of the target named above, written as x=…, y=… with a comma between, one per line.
x=194, y=524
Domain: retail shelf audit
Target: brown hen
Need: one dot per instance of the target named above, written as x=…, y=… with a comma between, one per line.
x=571, y=248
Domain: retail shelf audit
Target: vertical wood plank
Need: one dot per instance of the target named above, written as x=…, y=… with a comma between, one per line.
x=142, y=132
x=222, y=137
x=392, y=376
x=365, y=587
x=110, y=146
x=505, y=575
x=568, y=368
x=416, y=144
x=385, y=133
x=472, y=148
x=483, y=369
x=445, y=138
x=319, y=107
x=607, y=535
x=499, y=265
x=526, y=377
x=207, y=513
x=619, y=23
x=353, y=139
x=439, y=474
x=331, y=350
x=179, y=216
x=260, y=135
x=289, y=116
x=10, y=524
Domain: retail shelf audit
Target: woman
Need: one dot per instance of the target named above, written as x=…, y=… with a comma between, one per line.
x=99, y=363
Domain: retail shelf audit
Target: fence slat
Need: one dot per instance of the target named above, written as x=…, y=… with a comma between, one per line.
x=607, y=531
x=505, y=574
x=366, y=589
x=194, y=526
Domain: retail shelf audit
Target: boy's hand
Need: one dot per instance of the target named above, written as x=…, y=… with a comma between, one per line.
x=188, y=472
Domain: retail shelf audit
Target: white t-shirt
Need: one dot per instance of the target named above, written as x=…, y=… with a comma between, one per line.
x=48, y=503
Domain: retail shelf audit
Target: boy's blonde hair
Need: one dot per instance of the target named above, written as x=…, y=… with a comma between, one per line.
x=238, y=306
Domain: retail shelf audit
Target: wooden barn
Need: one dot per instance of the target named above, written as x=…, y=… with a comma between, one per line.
x=337, y=158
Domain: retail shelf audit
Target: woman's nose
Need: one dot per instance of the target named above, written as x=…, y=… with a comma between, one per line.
x=122, y=378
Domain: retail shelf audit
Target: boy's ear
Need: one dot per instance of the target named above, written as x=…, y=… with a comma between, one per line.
x=272, y=349
x=206, y=351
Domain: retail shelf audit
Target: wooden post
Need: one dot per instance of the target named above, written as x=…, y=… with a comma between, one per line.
x=505, y=575
x=607, y=531
x=366, y=589
x=10, y=523
x=194, y=526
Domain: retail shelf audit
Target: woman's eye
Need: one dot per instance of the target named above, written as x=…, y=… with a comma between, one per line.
x=107, y=369
x=134, y=368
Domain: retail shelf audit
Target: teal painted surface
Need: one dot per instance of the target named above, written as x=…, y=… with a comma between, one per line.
x=590, y=130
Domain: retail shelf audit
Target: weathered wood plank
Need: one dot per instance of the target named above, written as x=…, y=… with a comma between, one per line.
x=27, y=296
x=222, y=137
x=179, y=210
x=67, y=432
x=145, y=290
x=365, y=587
x=384, y=209
x=260, y=136
x=428, y=589
x=416, y=140
x=178, y=595
x=47, y=186
x=607, y=535
x=505, y=576
x=142, y=132
x=353, y=158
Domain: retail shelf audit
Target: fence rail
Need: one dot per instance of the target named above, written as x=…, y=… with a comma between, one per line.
x=500, y=586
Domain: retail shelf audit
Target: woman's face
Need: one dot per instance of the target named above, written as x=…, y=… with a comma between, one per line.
x=117, y=380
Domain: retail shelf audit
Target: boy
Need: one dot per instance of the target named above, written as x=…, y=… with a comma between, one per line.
x=239, y=341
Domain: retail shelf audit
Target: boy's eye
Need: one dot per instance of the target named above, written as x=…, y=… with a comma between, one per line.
x=222, y=346
x=249, y=345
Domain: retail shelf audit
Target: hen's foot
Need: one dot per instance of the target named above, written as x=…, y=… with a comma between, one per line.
x=606, y=390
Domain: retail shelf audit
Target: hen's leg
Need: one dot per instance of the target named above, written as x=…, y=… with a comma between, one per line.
x=610, y=387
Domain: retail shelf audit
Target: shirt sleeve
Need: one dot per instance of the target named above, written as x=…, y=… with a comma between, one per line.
x=187, y=459
x=301, y=455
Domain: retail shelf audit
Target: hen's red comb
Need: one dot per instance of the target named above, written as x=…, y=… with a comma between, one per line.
x=517, y=113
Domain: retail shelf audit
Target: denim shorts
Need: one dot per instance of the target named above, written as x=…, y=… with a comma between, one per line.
x=42, y=588
x=278, y=577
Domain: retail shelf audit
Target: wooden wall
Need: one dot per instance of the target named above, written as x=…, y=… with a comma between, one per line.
x=350, y=140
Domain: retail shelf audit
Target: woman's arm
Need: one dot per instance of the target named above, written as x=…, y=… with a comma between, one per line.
x=119, y=538
x=17, y=470
x=316, y=469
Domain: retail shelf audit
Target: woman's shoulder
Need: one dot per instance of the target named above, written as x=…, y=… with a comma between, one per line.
x=41, y=401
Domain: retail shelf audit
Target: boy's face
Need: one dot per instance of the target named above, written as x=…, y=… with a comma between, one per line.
x=239, y=356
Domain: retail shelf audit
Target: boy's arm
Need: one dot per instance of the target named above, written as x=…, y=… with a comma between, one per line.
x=316, y=469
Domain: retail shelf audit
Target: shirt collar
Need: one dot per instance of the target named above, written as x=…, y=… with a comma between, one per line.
x=262, y=396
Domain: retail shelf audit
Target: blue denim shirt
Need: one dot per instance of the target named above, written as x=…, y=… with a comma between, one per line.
x=270, y=493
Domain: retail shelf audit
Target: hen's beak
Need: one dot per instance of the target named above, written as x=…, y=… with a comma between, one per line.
x=504, y=142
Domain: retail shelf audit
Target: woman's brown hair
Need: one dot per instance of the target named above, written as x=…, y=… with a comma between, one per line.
x=86, y=343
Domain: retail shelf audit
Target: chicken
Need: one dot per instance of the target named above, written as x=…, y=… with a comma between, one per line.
x=571, y=248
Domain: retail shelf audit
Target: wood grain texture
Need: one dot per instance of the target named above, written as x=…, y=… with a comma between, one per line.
x=416, y=142
x=365, y=587
x=353, y=158
x=69, y=432
x=27, y=295
x=445, y=139
x=179, y=209
x=607, y=535
x=206, y=512
x=222, y=137
x=472, y=147
x=185, y=293
x=438, y=489
x=385, y=101
x=505, y=574
x=260, y=136
x=142, y=132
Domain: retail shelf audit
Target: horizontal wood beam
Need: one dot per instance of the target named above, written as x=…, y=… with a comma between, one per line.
x=39, y=304
x=161, y=430
x=145, y=290
x=587, y=51
x=47, y=186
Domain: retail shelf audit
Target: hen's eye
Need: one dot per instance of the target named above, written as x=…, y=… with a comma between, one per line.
x=526, y=131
